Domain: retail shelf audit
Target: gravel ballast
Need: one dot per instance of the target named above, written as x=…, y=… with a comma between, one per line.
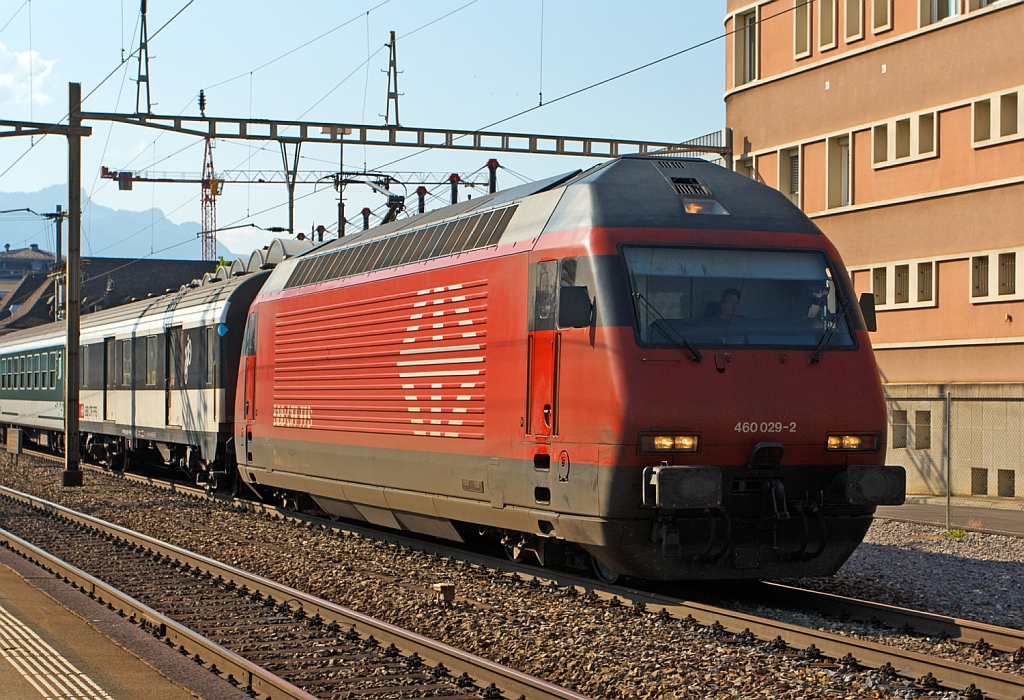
x=589, y=646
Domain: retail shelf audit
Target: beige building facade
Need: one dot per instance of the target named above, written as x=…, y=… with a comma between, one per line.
x=898, y=127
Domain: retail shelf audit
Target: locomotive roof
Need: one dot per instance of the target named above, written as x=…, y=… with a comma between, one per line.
x=629, y=192
x=189, y=306
x=651, y=192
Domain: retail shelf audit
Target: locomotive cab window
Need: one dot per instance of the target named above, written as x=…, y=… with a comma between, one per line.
x=731, y=297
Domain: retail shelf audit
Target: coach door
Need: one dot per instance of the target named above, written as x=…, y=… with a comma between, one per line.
x=109, y=373
x=543, y=347
x=174, y=367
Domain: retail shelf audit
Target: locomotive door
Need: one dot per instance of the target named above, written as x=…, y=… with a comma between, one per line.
x=108, y=378
x=174, y=385
x=543, y=346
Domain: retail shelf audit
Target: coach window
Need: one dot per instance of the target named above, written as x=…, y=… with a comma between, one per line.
x=151, y=358
x=126, y=362
x=53, y=370
x=35, y=371
x=84, y=371
x=211, y=355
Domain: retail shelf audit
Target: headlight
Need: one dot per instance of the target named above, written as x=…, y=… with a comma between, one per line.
x=852, y=443
x=669, y=443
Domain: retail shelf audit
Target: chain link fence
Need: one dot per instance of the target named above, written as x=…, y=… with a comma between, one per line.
x=963, y=448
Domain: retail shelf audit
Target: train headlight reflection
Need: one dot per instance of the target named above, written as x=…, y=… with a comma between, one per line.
x=852, y=443
x=669, y=443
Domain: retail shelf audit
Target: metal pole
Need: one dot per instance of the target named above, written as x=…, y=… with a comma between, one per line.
x=492, y=180
x=454, y=179
x=72, y=475
x=56, y=265
x=949, y=461
x=341, y=188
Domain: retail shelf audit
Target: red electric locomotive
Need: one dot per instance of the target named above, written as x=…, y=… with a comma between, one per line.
x=656, y=362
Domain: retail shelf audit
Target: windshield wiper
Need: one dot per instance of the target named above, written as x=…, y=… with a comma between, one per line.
x=829, y=330
x=694, y=352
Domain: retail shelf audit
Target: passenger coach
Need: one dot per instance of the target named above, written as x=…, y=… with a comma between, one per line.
x=157, y=378
x=657, y=362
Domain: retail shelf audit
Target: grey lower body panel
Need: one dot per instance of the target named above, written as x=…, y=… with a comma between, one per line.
x=598, y=508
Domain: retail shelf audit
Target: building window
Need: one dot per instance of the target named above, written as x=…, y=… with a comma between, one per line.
x=151, y=360
x=827, y=24
x=902, y=292
x=745, y=167
x=1005, y=478
x=996, y=118
x=933, y=11
x=880, y=138
x=838, y=171
x=926, y=133
x=979, y=481
x=1007, y=273
x=126, y=363
x=881, y=15
x=924, y=281
x=1008, y=115
x=899, y=428
x=979, y=276
x=802, y=28
x=922, y=430
x=745, y=41
x=789, y=174
x=982, y=120
x=878, y=285
x=903, y=139
x=854, y=15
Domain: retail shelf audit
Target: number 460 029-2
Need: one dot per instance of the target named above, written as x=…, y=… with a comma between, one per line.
x=765, y=427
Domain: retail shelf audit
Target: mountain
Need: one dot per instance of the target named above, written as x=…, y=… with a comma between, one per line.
x=106, y=232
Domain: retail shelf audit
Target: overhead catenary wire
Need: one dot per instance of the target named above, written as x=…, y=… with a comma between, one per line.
x=299, y=47
x=98, y=86
x=16, y=13
x=605, y=81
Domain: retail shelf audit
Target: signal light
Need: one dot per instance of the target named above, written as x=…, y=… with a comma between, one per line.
x=851, y=443
x=669, y=443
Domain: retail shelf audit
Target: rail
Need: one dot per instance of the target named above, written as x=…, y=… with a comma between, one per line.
x=479, y=669
x=915, y=666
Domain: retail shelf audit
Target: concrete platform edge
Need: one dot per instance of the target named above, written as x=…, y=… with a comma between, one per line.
x=154, y=653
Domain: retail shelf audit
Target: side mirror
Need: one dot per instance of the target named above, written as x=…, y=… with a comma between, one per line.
x=574, y=307
x=867, y=309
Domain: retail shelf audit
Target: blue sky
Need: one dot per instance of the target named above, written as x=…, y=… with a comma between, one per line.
x=479, y=64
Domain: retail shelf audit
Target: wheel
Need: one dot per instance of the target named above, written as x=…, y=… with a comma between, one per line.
x=601, y=572
x=515, y=553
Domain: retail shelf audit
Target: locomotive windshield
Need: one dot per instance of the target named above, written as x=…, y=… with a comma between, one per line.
x=730, y=297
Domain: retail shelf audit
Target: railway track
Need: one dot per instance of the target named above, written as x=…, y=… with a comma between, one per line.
x=271, y=640
x=925, y=671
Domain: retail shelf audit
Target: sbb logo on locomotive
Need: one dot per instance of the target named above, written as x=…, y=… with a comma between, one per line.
x=293, y=416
